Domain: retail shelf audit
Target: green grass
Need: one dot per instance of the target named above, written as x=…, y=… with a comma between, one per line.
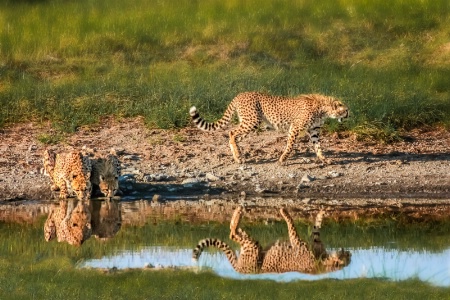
x=71, y=62
x=57, y=280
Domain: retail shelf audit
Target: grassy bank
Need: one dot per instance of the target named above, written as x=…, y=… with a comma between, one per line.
x=73, y=62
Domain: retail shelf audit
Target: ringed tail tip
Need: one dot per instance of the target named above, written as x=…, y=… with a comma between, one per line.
x=193, y=111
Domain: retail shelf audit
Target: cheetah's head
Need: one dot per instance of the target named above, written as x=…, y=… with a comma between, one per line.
x=81, y=185
x=336, y=261
x=109, y=185
x=80, y=223
x=337, y=110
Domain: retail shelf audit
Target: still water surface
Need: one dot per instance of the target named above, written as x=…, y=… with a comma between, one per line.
x=158, y=237
x=376, y=262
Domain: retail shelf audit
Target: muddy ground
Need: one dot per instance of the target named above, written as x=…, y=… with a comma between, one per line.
x=168, y=165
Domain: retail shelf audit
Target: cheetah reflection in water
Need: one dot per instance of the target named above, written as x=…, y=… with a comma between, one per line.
x=293, y=256
x=68, y=222
x=106, y=218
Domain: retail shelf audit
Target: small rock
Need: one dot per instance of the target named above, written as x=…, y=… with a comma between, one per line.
x=334, y=174
x=259, y=189
x=191, y=182
x=306, y=200
x=157, y=177
x=307, y=178
x=212, y=177
x=127, y=178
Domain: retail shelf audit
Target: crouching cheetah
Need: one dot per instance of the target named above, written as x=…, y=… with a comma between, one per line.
x=105, y=176
x=293, y=256
x=69, y=223
x=69, y=172
x=304, y=114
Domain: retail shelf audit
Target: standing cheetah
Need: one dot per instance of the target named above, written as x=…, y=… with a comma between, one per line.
x=293, y=256
x=304, y=114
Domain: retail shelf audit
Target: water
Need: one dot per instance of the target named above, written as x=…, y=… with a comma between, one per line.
x=163, y=237
x=377, y=262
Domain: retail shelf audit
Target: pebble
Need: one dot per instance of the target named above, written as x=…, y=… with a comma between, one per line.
x=306, y=200
x=191, y=182
x=212, y=177
x=157, y=177
x=334, y=174
x=307, y=178
x=127, y=178
x=259, y=189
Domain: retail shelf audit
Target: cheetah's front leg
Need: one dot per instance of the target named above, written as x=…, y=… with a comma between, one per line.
x=294, y=132
x=314, y=136
x=63, y=189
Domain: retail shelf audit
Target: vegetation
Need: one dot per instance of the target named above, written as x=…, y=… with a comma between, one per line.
x=72, y=62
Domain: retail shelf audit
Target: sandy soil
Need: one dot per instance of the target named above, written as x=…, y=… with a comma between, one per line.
x=190, y=164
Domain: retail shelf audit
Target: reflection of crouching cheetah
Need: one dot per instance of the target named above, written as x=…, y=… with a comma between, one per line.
x=69, y=223
x=105, y=176
x=69, y=172
x=293, y=256
x=106, y=218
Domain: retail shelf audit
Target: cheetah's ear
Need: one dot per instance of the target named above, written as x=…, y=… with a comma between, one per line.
x=102, y=178
x=336, y=104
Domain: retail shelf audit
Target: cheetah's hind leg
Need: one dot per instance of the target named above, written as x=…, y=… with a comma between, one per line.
x=237, y=234
x=235, y=219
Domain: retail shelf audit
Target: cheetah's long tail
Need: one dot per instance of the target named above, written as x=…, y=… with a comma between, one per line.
x=210, y=242
x=206, y=126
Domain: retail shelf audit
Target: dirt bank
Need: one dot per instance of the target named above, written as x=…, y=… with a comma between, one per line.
x=192, y=164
